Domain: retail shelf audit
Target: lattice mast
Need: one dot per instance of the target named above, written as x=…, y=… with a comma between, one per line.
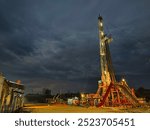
x=107, y=73
x=111, y=91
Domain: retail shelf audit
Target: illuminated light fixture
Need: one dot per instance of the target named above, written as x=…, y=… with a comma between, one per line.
x=102, y=33
x=99, y=81
x=82, y=95
x=101, y=24
x=123, y=80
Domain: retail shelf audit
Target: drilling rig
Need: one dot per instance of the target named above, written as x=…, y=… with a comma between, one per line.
x=110, y=92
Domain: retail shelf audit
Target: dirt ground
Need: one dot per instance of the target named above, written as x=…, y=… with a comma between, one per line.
x=63, y=108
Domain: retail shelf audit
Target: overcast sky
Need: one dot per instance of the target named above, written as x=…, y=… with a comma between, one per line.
x=54, y=43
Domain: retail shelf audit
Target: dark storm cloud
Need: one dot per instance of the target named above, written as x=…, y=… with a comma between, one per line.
x=54, y=44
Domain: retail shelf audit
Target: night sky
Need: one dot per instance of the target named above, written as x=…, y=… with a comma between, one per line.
x=54, y=43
